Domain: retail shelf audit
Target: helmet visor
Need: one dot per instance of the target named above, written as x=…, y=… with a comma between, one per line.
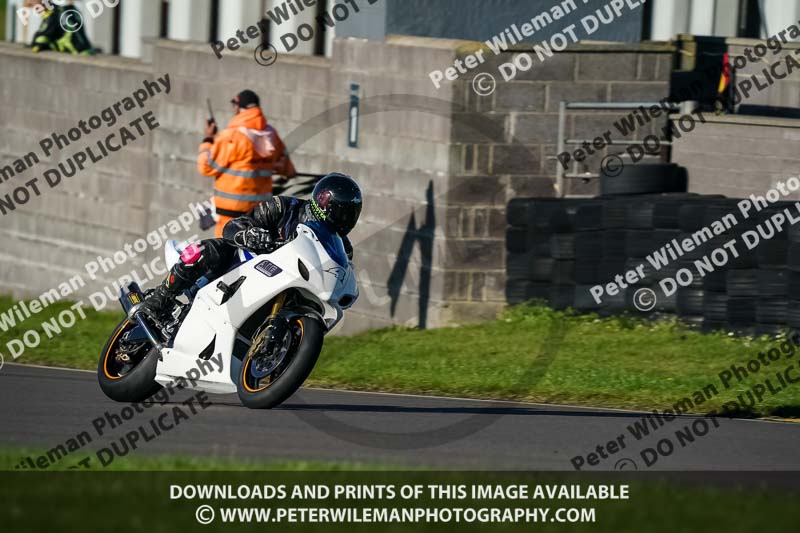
x=345, y=218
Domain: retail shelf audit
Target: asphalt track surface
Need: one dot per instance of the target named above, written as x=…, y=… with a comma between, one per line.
x=41, y=408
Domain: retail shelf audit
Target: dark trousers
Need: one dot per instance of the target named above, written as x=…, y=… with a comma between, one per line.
x=216, y=257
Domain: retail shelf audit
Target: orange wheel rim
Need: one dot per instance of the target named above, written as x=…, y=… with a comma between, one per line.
x=111, y=347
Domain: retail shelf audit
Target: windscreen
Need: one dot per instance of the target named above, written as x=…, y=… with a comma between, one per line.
x=330, y=241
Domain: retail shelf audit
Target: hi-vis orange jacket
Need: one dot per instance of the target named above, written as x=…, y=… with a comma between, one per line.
x=243, y=158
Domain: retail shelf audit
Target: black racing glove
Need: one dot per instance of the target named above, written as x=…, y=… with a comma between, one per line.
x=253, y=239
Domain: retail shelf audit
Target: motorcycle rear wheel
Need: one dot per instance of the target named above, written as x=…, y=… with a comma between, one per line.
x=275, y=388
x=127, y=382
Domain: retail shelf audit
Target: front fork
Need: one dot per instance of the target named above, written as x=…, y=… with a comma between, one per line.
x=279, y=301
x=130, y=298
x=275, y=331
x=277, y=324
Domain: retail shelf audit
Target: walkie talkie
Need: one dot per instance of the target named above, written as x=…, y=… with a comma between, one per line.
x=211, y=119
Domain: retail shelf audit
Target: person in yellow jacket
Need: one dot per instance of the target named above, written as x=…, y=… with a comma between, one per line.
x=242, y=158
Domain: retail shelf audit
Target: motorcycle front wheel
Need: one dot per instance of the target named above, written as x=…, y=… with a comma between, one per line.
x=131, y=379
x=298, y=354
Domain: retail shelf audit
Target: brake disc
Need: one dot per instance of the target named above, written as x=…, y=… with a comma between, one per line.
x=271, y=347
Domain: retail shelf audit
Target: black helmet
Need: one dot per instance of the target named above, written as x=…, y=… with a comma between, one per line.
x=336, y=200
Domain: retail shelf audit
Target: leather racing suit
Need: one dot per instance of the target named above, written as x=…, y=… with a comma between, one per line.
x=279, y=215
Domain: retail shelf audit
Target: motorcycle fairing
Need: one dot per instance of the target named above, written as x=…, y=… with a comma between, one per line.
x=328, y=282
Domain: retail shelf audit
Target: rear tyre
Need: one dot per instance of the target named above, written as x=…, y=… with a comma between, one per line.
x=305, y=344
x=131, y=382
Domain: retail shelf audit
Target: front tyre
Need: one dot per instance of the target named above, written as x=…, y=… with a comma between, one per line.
x=131, y=379
x=302, y=346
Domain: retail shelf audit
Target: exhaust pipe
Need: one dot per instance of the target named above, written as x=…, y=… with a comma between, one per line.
x=130, y=298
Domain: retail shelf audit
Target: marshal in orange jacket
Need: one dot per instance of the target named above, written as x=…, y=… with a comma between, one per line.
x=243, y=158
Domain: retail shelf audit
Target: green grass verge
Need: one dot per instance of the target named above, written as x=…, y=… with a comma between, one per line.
x=11, y=457
x=76, y=347
x=609, y=362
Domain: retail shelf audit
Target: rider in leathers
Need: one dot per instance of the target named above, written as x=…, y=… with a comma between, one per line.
x=336, y=201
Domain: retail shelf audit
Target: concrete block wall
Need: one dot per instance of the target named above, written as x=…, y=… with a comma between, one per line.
x=401, y=160
x=503, y=147
x=739, y=155
x=437, y=166
x=403, y=156
x=785, y=93
x=95, y=213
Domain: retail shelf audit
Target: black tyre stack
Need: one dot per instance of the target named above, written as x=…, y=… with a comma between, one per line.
x=773, y=275
x=646, y=233
x=559, y=249
x=540, y=245
x=600, y=242
x=688, y=215
x=727, y=287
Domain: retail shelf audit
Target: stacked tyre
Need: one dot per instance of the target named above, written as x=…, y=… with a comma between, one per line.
x=688, y=216
x=645, y=234
x=540, y=245
x=558, y=250
x=600, y=242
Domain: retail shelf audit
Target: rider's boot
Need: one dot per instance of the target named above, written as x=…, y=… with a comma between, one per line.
x=158, y=302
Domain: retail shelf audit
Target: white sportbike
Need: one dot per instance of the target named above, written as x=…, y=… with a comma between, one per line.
x=257, y=330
